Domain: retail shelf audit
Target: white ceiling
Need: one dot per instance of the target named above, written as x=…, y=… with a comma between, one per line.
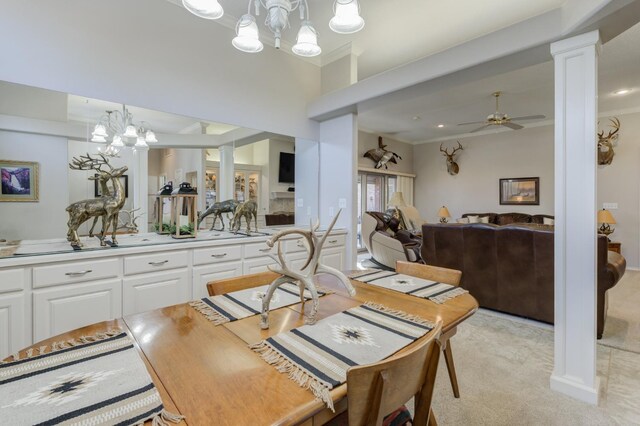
x=397, y=32
x=527, y=91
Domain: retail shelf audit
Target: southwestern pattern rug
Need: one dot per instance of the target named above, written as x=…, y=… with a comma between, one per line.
x=246, y=303
x=97, y=380
x=426, y=289
x=318, y=356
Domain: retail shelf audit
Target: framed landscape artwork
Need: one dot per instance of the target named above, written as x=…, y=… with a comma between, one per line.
x=97, y=189
x=19, y=181
x=520, y=191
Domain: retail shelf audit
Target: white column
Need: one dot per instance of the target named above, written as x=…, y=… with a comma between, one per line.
x=227, y=176
x=141, y=187
x=576, y=108
x=338, y=177
x=307, y=184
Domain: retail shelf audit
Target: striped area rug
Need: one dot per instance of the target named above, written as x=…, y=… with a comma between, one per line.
x=426, y=289
x=318, y=356
x=246, y=303
x=97, y=380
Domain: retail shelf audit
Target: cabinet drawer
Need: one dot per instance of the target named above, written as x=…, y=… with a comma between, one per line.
x=67, y=273
x=258, y=250
x=293, y=246
x=217, y=254
x=335, y=241
x=12, y=280
x=155, y=262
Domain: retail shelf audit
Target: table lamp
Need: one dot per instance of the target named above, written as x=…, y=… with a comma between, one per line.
x=606, y=219
x=444, y=214
x=397, y=200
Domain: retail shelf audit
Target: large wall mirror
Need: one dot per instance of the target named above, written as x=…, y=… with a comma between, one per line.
x=42, y=132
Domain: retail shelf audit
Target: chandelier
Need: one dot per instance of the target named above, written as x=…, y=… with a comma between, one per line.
x=118, y=126
x=346, y=20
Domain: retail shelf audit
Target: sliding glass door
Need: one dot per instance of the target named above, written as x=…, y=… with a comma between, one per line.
x=374, y=191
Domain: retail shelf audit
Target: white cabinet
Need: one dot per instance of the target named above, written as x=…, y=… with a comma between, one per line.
x=219, y=271
x=60, y=309
x=333, y=256
x=157, y=290
x=12, y=324
x=259, y=264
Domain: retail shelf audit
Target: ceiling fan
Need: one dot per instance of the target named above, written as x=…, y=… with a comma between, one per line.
x=500, y=119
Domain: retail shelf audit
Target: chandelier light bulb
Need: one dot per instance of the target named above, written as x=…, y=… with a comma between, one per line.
x=307, y=41
x=140, y=143
x=150, y=137
x=347, y=19
x=207, y=9
x=248, y=37
x=117, y=141
x=130, y=132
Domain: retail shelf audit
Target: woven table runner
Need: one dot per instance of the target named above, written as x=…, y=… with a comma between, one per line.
x=318, y=356
x=98, y=380
x=426, y=289
x=248, y=302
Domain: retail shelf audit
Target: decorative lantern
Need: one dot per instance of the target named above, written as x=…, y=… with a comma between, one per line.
x=183, y=211
x=162, y=210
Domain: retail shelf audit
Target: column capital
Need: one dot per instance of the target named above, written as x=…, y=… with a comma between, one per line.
x=578, y=42
x=223, y=148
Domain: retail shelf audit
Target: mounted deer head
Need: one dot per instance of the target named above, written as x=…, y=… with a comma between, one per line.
x=605, y=143
x=452, y=166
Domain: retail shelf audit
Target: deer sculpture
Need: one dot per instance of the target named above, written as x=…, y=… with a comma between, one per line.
x=216, y=209
x=106, y=207
x=605, y=143
x=246, y=210
x=452, y=166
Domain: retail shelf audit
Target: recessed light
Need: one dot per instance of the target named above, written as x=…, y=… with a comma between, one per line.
x=440, y=126
x=416, y=118
x=622, y=92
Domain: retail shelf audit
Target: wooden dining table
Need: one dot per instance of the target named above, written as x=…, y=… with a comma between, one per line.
x=208, y=374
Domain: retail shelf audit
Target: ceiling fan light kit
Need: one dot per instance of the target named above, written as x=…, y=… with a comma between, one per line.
x=500, y=119
x=346, y=20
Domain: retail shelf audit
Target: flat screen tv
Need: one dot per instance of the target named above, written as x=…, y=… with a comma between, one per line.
x=287, y=173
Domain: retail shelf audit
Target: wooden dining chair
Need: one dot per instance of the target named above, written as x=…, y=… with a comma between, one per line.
x=228, y=285
x=375, y=391
x=446, y=276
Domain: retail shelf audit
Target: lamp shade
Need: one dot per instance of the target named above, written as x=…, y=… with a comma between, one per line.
x=130, y=132
x=248, y=37
x=307, y=41
x=140, y=143
x=150, y=137
x=397, y=200
x=605, y=216
x=100, y=131
x=207, y=9
x=347, y=19
x=117, y=141
x=444, y=212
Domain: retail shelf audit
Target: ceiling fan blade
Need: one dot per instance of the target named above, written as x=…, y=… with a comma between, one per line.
x=529, y=117
x=472, y=122
x=513, y=126
x=480, y=128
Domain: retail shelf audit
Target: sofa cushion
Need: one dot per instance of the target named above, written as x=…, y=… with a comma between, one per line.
x=547, y=221
x=509, y=218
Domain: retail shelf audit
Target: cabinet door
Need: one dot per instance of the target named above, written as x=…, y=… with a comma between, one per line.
x=333, y=257
x=256, y=265
x=152, y=291
x=57, y=310
x=297, y=260
x=219, y=271
x=12, y=324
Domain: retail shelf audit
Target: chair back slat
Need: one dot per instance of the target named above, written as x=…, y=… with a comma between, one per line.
x=428, y=272
x=229, y=285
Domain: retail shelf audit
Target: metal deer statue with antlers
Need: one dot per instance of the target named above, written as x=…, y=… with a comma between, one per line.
x=106, y=207
x=452, y=166
x=605, y=143
x=304, y=276
x=381, y=156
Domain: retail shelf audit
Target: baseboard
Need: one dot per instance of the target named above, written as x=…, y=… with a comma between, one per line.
x=633, y=268
x=575, y=389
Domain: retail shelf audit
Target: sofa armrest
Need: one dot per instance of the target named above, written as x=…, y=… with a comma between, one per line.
x=616, y=266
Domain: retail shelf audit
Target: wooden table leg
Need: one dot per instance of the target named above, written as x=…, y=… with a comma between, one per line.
x=448, y=357
x=432, y=418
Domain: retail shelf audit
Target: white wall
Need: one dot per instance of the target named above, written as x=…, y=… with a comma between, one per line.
x=46, y=218
x=367, y=141
x=24, y=101
x=173, y=62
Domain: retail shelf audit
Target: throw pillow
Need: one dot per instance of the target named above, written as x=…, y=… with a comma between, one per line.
x=484, y=219
x=473, y=219
x=463, y=220
x=548, y=221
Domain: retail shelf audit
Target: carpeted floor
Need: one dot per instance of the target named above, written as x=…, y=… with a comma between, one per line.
x=622, y=325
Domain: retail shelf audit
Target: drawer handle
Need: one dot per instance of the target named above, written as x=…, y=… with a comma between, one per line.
x=219, y=255
x=79, y=273
x=264, y=250
x=299, y=244
x=333, y=241
x=158, y=263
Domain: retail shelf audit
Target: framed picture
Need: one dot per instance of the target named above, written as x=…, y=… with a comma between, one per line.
x=520, y=191
x=97, y=189
x=19, y=181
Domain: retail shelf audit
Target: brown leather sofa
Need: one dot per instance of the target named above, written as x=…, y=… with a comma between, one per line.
x=508, y=218
x=510, y=268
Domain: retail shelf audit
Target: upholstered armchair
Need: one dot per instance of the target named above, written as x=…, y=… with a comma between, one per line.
x=386, y=243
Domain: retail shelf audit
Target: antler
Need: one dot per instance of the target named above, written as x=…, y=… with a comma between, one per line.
x=446, y=151
x=86, y=162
